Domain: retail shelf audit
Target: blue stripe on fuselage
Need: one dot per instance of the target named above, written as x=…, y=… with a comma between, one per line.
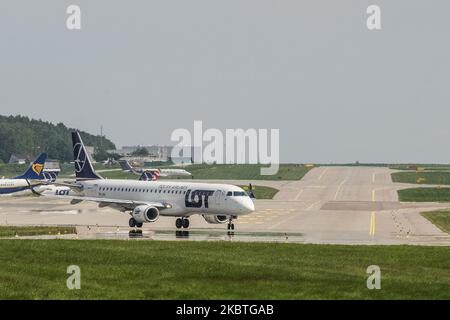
x=12, y=190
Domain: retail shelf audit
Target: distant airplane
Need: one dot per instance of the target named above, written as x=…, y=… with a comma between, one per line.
x=150, y=174
x=30, y=179
x=145, y=201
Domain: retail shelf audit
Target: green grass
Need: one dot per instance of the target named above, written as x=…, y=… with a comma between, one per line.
x=11, y=231
x=12, y=170
x=423, y=166
x=440, y=218
x=36, y=269
x=432, y=177
x=227, y=172
x=246, y=172
x=262, y=192
x=119, y=175
x=424, y=195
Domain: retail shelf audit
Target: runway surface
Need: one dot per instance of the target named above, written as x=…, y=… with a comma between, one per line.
x=336, y=205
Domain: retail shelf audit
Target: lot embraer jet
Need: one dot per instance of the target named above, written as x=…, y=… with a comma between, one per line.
x=147, y=200
x=148, y=174
x=27, y=181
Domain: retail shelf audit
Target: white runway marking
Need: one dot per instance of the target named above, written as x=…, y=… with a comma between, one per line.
x=299, y=194
x=312, y=205
x=323, y=172
x=339, y=188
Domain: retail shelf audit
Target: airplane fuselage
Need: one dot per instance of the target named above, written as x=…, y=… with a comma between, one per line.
x=15, y=186
x=184, y=198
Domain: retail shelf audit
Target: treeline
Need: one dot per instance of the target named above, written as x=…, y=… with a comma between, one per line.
x=21, y=135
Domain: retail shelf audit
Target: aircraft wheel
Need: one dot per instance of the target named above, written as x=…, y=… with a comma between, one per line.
x=232, y=226
x=139, y=225
x=178, y=223
x=185, y=223
x=132, y=223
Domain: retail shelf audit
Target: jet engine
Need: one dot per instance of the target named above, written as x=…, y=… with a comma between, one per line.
x=145, y=214
x=215, y=219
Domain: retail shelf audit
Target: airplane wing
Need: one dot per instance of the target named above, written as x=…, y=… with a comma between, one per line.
x=104, y=202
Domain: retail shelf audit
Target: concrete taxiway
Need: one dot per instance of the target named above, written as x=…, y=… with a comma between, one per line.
x=338, y=205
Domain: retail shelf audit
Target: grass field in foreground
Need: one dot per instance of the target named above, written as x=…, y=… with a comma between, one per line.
x=433, y=177
x=424, y=195
x=440, y=218
x=36, y=269
x=11, y=231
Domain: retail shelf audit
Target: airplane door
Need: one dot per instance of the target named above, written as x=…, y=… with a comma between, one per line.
x=218, y=195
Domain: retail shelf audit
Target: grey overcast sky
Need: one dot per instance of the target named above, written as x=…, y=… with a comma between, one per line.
x=337, y=91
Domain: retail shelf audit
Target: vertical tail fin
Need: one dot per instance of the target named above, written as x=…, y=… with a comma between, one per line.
x=83, y=165
x=148, y=176
x=50, y=175
x=35, y=169
x=125, y=165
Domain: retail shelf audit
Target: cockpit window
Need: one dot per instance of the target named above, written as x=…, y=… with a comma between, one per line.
x=239, y=194
x=229, y=194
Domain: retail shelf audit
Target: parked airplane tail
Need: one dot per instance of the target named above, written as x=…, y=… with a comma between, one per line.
x=35, y=169
x=125, y=165
x=50, y=175
x=149, y=176
x=83, y=166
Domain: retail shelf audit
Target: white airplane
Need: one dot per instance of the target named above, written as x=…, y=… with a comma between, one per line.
x=145, y=201
x=147, y=174
x=28, y=181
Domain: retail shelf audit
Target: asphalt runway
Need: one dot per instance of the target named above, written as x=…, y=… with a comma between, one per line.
x=335, y=205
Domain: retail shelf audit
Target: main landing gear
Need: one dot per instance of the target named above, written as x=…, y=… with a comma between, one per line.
x=133, y=223
x=230, y=225
x=135, y=232
x=182, y=223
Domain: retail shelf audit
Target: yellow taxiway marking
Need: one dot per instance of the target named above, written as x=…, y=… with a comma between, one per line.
x=372, y=224
x=323, y=172
x=373, y=177
x=373, y=195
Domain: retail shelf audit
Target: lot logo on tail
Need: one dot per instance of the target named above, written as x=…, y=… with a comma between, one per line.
x=80, y=157
x=37, y=168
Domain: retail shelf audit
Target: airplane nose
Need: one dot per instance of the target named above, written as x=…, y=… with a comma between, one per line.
x=249, y=206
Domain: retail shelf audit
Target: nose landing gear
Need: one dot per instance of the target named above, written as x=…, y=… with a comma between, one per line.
x=182, y=223
x=230, y=227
